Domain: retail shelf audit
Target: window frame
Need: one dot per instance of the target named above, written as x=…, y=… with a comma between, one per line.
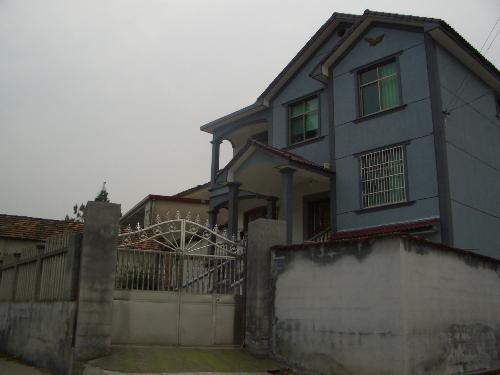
x=298, y=101
x=367, y=67
x=406, y=190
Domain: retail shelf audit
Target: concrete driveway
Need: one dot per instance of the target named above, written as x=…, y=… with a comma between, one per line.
x=12, y=366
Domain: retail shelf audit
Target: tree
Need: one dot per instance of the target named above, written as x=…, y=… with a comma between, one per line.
x=103, y=194
x=77, y=215
x=78, y=212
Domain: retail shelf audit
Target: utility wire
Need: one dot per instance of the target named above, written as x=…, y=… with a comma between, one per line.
x=467, y=103
x=495, y=124
x=453, y=99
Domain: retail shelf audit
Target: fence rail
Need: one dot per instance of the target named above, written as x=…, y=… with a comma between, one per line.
x=171, y=271
x=40, y=273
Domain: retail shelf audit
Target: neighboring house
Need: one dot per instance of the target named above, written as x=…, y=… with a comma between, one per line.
x=20, y=232
x=381, y=122
x=193, y=202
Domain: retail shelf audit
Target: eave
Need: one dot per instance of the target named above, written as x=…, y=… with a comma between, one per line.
x=439, y=30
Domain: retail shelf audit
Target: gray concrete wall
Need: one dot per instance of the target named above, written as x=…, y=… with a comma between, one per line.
x=472, y=133
x=41, y=333
x=385, y=306
x=262, y=234
x=75, y=325
x=412, y=124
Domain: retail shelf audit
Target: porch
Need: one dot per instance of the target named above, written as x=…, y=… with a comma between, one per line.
x=262, y=181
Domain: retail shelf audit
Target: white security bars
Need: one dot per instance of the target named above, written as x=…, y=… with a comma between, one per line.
x=383, y=177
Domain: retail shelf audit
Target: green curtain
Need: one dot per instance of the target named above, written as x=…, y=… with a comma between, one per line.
x=389, y=86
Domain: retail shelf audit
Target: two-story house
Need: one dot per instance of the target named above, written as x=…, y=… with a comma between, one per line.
x=380, y=121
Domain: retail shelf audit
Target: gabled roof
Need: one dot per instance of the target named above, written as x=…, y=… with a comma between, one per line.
x=165, y=198
x=293, y=159
x=439, y=30
x=192, y=190
x=290, y=69
x=34, y=228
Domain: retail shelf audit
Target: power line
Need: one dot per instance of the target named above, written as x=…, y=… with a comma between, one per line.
x=474, y=109
x=467, y=103
x=452, y=100
x=487, y=49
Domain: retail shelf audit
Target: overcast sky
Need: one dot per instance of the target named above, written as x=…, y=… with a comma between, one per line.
x=116, y=90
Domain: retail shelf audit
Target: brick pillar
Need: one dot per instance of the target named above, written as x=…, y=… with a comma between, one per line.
x=97, y=281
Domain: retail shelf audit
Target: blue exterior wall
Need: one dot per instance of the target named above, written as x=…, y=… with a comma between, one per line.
x=302, y=85
x=472, y=134
x=412, y=124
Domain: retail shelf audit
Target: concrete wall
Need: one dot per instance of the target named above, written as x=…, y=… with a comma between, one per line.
x=76, y=325
x=472, y=133
x=41, y=333
x=385, y=306
x=412, y=124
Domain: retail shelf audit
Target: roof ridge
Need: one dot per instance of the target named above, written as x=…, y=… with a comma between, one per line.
x=32, y=217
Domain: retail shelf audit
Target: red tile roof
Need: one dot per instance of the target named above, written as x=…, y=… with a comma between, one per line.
x=385, y=229
x=33, y=228
x=278, y=152
x=289, y=156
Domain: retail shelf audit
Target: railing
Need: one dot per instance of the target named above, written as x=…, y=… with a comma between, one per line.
x=170, y=271
x=322, y=236
x=188, y=257
x=41, y=273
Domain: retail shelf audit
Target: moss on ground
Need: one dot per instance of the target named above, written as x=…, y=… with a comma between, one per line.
x=174, y=359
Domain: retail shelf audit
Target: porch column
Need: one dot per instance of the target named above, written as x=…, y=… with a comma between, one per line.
x=271, y=208
x=212, y=220
x=212, y=217
x=215, y=159
x=333, y=206
x=286, y=205
x=233, y=194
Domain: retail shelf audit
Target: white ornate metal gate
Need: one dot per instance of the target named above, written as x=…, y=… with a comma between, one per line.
x=184, y=274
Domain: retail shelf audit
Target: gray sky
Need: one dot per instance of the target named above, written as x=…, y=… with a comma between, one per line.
x=116, y=90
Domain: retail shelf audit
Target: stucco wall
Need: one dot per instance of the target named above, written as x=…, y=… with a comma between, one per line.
x=12, y=245
x=412, y=124
x=39, y=332
x=472, y=133
x=300, y=86
x=385, y=306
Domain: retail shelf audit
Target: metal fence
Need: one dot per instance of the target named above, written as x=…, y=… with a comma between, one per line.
x=172, y=271
x=188, y=257
x=41, y=273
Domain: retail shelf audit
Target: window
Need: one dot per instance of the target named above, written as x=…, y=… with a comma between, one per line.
x=304, y=120
x=378, y=88
x=383, y=177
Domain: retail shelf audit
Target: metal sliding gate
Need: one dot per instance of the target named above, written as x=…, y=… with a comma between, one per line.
x=178, y=282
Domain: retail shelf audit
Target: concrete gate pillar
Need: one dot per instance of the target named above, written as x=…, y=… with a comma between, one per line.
x=262, y=235
x=97, y=281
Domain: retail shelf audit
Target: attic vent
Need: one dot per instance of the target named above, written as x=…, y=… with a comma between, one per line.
x=341, y=32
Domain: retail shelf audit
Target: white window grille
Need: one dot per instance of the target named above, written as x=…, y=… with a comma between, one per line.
x=383, y=177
